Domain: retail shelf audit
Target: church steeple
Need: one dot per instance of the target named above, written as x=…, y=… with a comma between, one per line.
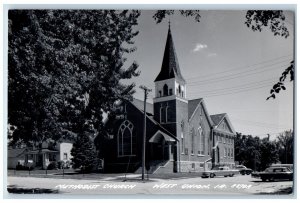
x=170, y=66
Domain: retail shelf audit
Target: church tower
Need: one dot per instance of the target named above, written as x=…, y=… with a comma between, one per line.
x=170, y=104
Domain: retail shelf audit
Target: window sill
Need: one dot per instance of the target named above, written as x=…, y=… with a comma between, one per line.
x=202, y=155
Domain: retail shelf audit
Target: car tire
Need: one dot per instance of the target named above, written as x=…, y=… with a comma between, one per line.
x=212, y=175
x=243, y=172
x=248, y=172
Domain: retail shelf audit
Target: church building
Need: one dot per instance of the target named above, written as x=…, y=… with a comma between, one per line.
x=181, y=136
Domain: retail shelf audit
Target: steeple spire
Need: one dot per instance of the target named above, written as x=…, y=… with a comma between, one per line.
x=170, y=66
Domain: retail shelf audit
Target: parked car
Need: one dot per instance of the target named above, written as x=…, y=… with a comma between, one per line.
x=243, y=169
x=220, y=171
x=274, y=173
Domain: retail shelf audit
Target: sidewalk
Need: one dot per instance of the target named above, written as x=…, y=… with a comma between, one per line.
x=71, y=174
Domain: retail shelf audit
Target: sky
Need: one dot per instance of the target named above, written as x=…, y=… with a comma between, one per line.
x=224, y=62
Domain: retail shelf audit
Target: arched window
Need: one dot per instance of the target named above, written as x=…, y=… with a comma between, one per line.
x=166, y=89
x=202, y=140
x=182, y=137
x=193, y=141
x=162, y=114
x=179, y=90
x=167, y=108
x=126, y=140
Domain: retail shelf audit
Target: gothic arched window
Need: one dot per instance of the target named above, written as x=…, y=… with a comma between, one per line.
x=166, y=89
x=162, y=114
x=167, y=114
x=202, y=140
x=126, y=140
x=182, y=137
x=193, y=141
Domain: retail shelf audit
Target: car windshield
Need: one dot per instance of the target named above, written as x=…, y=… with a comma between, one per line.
x=273, y=169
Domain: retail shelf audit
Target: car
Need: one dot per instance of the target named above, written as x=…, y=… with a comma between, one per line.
x=243, y=169
x=274, y=173
x=220, y=171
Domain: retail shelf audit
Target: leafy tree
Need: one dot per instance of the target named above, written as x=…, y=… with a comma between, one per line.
x=285, y=143
x=65, y=68
x=274, y=19
x=254, y=152
x=159, y=15
x=269, y=153
x=84, y=154
x=247, y=150
x=280, y=85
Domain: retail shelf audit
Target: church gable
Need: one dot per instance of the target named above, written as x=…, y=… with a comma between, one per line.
x=224, y=126
x=197, y=106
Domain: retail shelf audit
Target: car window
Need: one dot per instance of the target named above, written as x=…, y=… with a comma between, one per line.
x=277, y=170
x=268, y=170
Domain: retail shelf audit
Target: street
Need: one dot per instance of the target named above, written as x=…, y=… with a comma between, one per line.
x=237, y=185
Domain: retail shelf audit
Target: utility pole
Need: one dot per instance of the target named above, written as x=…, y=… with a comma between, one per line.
x=146, y=91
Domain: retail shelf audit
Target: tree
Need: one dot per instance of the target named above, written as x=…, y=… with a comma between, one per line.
x=65, y=68
x=254, y=152
x=84, y=154
x=247, y=150
x=285, y=143
x=269, y=153
x=159, y=15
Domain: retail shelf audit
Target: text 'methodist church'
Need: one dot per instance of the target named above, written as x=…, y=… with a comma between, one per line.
x=180, y=136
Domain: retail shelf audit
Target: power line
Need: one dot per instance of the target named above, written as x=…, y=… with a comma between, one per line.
x=239, y=68
x=248, y=85
x=229, y=77
x=258, y=124
x=229, y=93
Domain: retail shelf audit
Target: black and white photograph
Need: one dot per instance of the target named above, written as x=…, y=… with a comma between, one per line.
x=110, y=101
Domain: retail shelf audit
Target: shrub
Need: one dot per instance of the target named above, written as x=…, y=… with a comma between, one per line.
x=52, y=165
x=60, y=164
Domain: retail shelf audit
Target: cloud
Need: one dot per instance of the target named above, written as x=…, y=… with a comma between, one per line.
x=211, y=54
x=199, y=47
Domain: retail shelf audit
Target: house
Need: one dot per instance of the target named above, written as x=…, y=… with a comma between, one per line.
x=40, y=157
x=181, y=136
x=15, y=157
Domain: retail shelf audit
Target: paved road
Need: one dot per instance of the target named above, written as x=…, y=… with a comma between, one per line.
x=238, y=185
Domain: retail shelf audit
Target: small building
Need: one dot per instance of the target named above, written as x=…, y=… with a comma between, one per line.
x=40, y=157
x=15, y=157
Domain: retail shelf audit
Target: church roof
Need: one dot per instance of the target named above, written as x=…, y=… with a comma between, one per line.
x=170, y=66
x=217, y=118
x=140, y=105
x=192, y=105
